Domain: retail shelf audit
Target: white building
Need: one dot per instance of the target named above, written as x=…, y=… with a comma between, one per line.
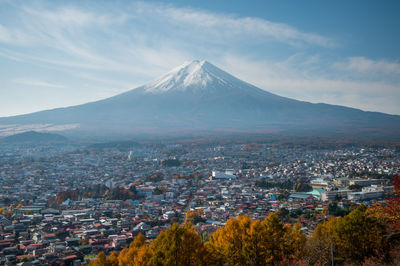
x=331, y=195
x=228, y=174
x=365, y=195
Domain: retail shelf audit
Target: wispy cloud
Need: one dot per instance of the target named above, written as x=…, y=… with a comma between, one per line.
x=13, y=36
x=97, y=40
x=226, y=25
x=296, y=78
x=365, y=65
x=97, y=51
x=69, y=17
x=37, y=83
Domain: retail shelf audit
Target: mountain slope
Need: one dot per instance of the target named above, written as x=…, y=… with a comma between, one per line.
x=198, y=96
x=33, y=137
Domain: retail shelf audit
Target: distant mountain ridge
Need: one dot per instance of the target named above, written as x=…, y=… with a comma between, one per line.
x=199, y=97
x=34, y=137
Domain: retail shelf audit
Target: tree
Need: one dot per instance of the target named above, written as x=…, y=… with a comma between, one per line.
x=351, y=238
x=389, y=212
x=194, y=217
x=178, y=245
x=295, y=240
x=322, y=242
x=138, y=252
x=388, y=215
x=171, y=162
x=112, y=260
x=246, y=242
x=359, y=235
x=226, y=244
x=356, y=187
x=143, y=256
x=303, y=187
x=274, y=239
x=102, y=260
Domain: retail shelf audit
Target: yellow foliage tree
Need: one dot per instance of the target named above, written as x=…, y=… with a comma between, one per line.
x=102, y=260
x=295, y=240
x=178, y=245
x=359, y=235
x=112, y=260
x=322, y=242
x=193, y=216
x=226, y=244
x=137, y=254
x=246, y=242
x=351, y=238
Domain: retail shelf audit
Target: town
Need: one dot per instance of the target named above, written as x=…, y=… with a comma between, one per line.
x=66, y=203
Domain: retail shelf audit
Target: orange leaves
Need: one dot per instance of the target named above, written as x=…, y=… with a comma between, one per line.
x=352, y=238
x=245, y=241
x=392, y=207
x=389, y=212
x=137, y=254
x=396, y=184
x=194, y=216
x=178, y=245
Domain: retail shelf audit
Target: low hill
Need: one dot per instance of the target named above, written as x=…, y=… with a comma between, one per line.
x=34, y=137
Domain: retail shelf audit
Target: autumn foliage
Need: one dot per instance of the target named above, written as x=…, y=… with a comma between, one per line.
x=242, y=241
x=245, y=241
x=138, y=252
x=389, y=211
x=351, y=238
x=366, y=236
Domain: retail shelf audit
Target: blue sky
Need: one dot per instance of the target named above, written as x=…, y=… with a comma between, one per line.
x=55, y=53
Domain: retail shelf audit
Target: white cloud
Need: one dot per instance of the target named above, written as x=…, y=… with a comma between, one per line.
x=110, y=51
x=37, y=83
x=4, y=34
x=68, y=17
x=224, y=25
x=365, y=65
x=89, y=39
x=13, y=36
x=284, y=78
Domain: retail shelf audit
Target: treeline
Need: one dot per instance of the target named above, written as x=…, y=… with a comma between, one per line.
x=98, y=191
x=121, y=193
x=372, y=175
x=241, y=241
x=300, y=186
x=366, y=236
x=171, y=162
x=269, y=184
x=303, y=141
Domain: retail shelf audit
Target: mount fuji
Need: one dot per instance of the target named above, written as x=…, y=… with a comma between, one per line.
x=199, y=97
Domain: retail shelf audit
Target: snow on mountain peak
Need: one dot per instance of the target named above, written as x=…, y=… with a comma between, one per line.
x=193, y=75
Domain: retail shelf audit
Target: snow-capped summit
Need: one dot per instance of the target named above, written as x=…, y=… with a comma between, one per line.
x=199, y=97
x=192, y=75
